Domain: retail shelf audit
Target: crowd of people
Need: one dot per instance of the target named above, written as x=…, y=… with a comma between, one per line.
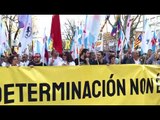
x=86, y=57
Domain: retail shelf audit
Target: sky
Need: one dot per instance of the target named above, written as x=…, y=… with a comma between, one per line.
x=44, y=21
x=82, y=18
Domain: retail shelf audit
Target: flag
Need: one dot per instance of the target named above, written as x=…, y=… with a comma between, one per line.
x=37, y=47
x=128, y=29
x=138, y=41
x=76, y=44
x=72, y=47
x=84, y=34
x=153, y=41
x=146, y=37
x=4, y=38
x=158, y=38
x=56, y=33
x=116, y=26
x=93, y=28
x=80, y=34
x=22, y=21
x=26, y=32
x=49, y=44
x=46, y=55
x=120, y=40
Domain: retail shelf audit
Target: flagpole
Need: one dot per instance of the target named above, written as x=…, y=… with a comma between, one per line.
x=78, y=55
x=44, y=45
x=122, y=49
x=96, y=56
x=156, y=33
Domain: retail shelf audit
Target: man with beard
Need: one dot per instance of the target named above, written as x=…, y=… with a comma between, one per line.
x=37, y=61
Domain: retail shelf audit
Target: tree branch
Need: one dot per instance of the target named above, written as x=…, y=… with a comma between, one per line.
x=15, y=36
x=10, y=18
x=123, y=18
x=134, y=27
x=134, y=20
x=67, y=35
x=110, y=23
x=104, y=24
x=6, y=26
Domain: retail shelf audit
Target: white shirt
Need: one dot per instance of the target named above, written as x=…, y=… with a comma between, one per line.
x=57, y=61
x=4, y=64
x=70, y=63
x=25, y=63
x=137, y=61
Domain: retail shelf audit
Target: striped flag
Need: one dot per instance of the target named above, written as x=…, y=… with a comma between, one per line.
x=153, y=41
x=116, y=26
x=138, y=41
x=120, y=40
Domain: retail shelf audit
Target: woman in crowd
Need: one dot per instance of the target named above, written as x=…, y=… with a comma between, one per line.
x=4, y=60
x=112, y=59
x=13, y=60
x=67, y=59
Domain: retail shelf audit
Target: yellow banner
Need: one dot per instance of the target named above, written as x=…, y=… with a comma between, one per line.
x=80, y=85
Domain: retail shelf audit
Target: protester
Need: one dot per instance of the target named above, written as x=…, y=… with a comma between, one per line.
x=100, y=58
x=13, y=60
x=112, y=59
x=55, y=59
x=67, y=59
x=83, y=58
x=37, y=60
x=92, y=58
x=24, y=61
x=4, y=61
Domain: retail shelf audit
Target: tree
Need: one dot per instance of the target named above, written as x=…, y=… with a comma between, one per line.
x=123, y=21
x=11, y=22
x=69, y=30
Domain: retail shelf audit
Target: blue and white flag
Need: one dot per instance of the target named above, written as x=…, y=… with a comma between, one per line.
x=26, y=33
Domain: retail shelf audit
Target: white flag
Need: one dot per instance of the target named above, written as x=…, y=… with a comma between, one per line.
x=147, y=37
x=26, y=33
x=128, y=29
x=93, y=26
x=3, y=38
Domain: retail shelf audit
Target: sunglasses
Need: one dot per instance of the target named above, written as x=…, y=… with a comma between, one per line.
x=36, y=56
